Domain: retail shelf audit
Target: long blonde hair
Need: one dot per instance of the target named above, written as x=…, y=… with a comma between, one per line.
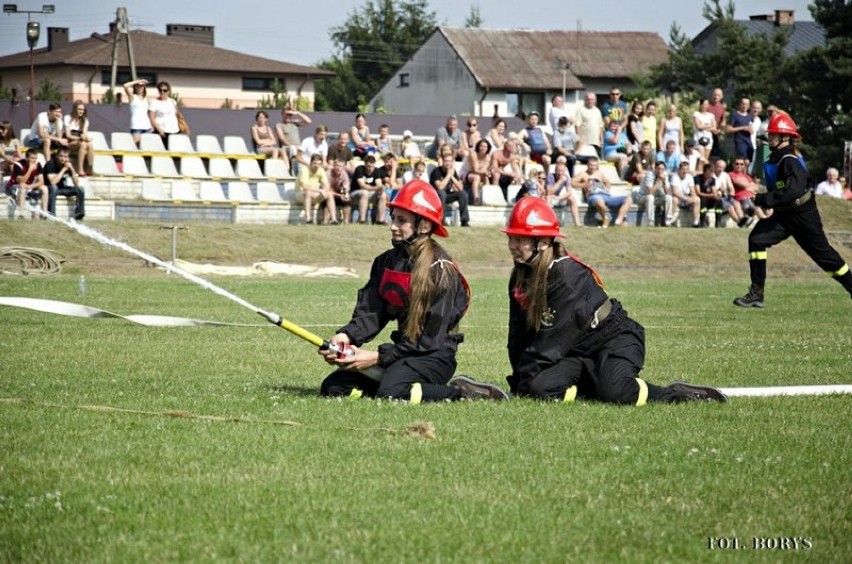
x=427, y=280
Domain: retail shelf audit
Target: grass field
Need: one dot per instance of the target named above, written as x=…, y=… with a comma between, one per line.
x=287, y=476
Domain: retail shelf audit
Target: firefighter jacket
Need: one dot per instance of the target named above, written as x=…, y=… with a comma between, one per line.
x=787, y=180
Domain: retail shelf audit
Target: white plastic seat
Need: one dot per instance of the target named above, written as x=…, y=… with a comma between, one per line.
x=289, y=192
x=152, y=143
x=275, y=168
x=193, y=167
x=239, y=191
x=512, y=192
x=122, y=141
x=134, y=165
x=99, y=142
x=211, y=191
x=249, y=168
x=163, y=166
x=152, y=189
x=268, y=192
x=25, y=132
x=183, y=191
x=104, y=165
x=220, y=167
x=208, y=144
x=180, y=143
x=492, y=195
x=235, y=145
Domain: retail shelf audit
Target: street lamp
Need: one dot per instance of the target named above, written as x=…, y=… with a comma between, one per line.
x=33, y=33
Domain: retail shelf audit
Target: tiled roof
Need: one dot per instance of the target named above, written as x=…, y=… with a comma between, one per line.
x=527, y=59
x=156, y=51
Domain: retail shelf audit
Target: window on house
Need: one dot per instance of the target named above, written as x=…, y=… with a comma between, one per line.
x=404, y=80
x=261, y=83
x=124, y=76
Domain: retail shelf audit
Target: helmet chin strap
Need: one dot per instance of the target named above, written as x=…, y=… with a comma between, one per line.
x=414, y=236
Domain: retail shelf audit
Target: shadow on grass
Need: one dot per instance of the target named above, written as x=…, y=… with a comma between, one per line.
x=292, y=389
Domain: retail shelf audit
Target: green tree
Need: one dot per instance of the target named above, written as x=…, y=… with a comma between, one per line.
x=474, y=18
x=372, y=44
x=48, y=91
x=279, y=98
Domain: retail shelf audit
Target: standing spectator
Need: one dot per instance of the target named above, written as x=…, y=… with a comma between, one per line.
x=740, y=126
x=671, y=129
x=504, y=167
x=27, y=182
x=314, y=145
x=588, y=122
x=754, y=111
x=649, y=125
x=717, y=107
x=497, y=134
x=61, y=179
x=312, y=187
x=533, y=136
x=76, y=128
x=46, y=131
x=417, y=284
x=614, y=109
x=449, y=134
x=830, y=186
x=359, y=138
x=795, y=213
x=635, y=132
x=704, y=126
x=847, y=190
x=471, y=135
x=368, y=188
x=10, y=148
x=557, y=110
x=263, y=138
x=476, y=170
x=383, y=141
x=567, y=337
x=288, y=132
x=450, y=188
x=340, y=184
x=653, y=195
x=341, y=151
x=559, y=192
x=410, y=149
x=684, y=193
x=595, y=186
x=565, y=143
x=137, y=96
x=162, y=112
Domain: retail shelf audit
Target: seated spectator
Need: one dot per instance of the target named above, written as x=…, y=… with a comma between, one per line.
x=476, y=170
x=830, y=186
x=730, y=205
x=287, y=133
x=383, y=141
x=672, y=157
x=694, y=157
x=616, y=148
x=641, y=164
x=312, y=187
x=505, y=169
x=684, y=193
x=76, y=130
x=263, y=138
x=10, y=148
x=535, y=140
x=27, y=183
x=338, y=180
x=847, y=190
x=418, y=170
x=535, y=186
x=450, y=188
x=497, y=134
x=314, y=145
x=46, y=132
x=61, y=179
x=708, y=194
x=359, y=138
x=450, y=135
x=654, y=197
x=559, y=192
x=745, y=189
x=471, y=135
x=410, y=149
x=595, y=186
x=393, y=178
x=340, y=151
x=368, y=188
x=565, y=143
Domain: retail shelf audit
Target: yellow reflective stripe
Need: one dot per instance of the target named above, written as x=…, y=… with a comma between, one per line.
x=570, y=394
x=843, y=270
x=643, y=392
x=416, y=394
x=356, y=393
x=757, y=255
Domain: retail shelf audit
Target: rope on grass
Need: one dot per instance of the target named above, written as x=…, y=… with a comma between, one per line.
x=28, y=260
x=419, y=430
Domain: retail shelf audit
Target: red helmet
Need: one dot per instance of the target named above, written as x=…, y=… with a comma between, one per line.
x=533, y=217
x=420, y=198
x=782, y=124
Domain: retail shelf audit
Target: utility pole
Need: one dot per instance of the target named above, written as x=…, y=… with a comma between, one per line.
x=122, y=30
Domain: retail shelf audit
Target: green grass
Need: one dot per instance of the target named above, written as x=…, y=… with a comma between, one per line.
x=522, y=481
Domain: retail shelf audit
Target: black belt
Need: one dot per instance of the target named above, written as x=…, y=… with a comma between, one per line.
x=600, y=314
x=801, y=200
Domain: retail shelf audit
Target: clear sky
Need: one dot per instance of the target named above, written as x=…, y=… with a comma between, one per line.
x=298, y=31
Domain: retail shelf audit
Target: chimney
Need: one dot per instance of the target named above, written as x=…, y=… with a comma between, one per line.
x=199, y=33
x=784, y=17
x=57, y=38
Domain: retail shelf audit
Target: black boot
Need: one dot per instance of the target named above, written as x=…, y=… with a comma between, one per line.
x=683, y=391
x=470, y=389
x=752, y=298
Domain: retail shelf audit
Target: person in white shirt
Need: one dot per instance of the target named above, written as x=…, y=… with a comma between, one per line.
x=314, y=145
x=588, y=122
x=46, y=131
x=557, y=110
x=831, y=185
